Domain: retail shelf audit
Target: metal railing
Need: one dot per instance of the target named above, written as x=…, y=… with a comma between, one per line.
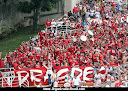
x=14, y=83
x=3, y=83
x=5, y=69
x=64, y=29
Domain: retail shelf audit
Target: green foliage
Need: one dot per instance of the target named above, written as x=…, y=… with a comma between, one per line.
x=47, y=6
x=36, y=3
x=25, y=7
x=36, y=6
x=4, y=27
x=44, y=5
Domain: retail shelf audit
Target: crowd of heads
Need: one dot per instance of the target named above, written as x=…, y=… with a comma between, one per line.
x=107, y=46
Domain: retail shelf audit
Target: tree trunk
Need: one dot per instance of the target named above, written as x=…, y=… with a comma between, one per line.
x=35, y=20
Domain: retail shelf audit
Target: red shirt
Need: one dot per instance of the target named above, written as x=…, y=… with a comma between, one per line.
x=101, y=10
x=41, y=34
x=66, y=42
x=119, y=54
x=72, y=50
x=32, y=64
x=48, y=23
x=50, y=42
x=70, y=61
x=26, y=61
x=78, y=26
x=121, y=34
x=81, y=60
x=105, y=52
x=112, y=63
x=8, y=58
x=94, y=60
x=119, y=44
x=15, y=65
x=76, y=63
x=117, y=84
x=2, y=64
x=100, y=58
x=114, y=4
x=56, y=67
x=14, y=53
x=46, y=43
x=38, y=56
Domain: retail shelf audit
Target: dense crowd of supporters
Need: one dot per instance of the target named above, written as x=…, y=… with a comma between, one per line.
x=107, y=46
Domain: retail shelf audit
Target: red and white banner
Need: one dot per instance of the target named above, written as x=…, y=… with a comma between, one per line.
x=41, y=75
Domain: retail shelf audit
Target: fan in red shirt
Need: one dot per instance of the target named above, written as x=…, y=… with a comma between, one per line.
x=14, y=53
x=15, y=65
x=57, y=65
x=94, y=57
x=1, y=62
x=8, y=56
x=2, y=65
x=75, y=63
x=38, y=55
x=26, y=60
x=41, y=34
x=78, y=26
x=101, y=10
x=48, y=23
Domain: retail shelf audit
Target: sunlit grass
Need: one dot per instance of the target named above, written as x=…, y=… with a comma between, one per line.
x=13, y=40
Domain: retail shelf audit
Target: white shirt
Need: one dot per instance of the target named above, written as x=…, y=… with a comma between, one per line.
x=123, y=86
x=106, y=15
x=85, y=8
x=76, y=81
x=80, y=6
x=50, y=71
x=72, y=24
x=120, y=8
x=92, y=12
x=98, y=78
x=109, y=70
x=60, y=23
x=113, y=84
x=55, y=84
x=87, y=14
x=108, y=80
x=79, y=20
x=97, y=15
x=96, y=8
x=102, y=75
x=126, y=83
x=53, y=24
x=37, y=48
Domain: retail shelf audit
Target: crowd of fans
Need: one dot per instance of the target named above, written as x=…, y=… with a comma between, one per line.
x=107, y=46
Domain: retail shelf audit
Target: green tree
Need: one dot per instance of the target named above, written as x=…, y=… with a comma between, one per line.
x=36, y=6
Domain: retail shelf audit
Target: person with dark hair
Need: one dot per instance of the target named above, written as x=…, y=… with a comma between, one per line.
x=83, y=13
x=91, y=4
x=67, y=76
x=117, y=82
x=69, y=13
